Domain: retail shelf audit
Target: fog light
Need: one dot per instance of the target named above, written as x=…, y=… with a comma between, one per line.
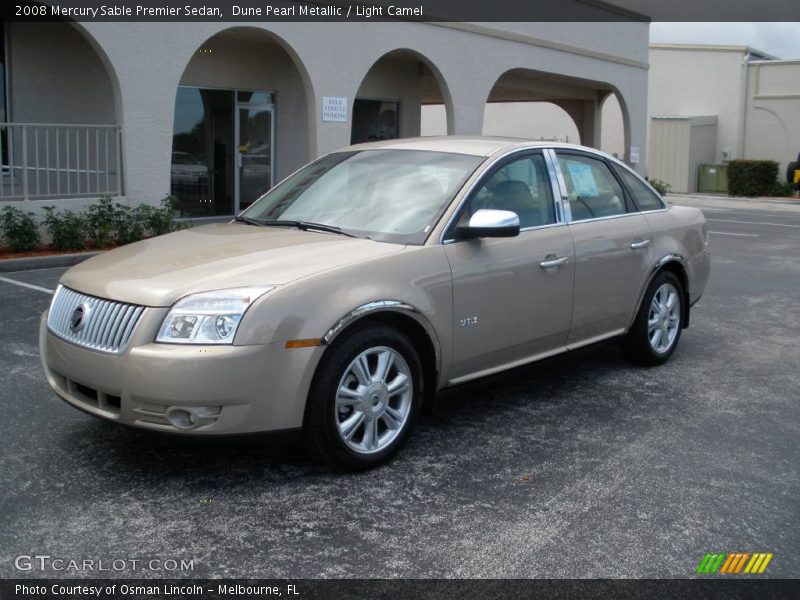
x=191, y=417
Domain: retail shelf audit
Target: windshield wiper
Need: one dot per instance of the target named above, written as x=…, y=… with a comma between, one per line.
x=306, y=226
x=248, y=220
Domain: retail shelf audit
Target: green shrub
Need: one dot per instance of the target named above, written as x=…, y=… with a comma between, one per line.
x=101, y=225
x=781, y=188
x=752, y=177
x=110, y=222
x=19, y=229
x=128, y=226
x=662, y=187
x=158, y=220
x=102, y=222
x=67, y=230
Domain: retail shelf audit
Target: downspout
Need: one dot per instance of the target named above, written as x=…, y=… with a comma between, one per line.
x=745, y=87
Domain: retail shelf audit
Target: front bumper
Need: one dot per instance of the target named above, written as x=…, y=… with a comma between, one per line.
x=196, y=390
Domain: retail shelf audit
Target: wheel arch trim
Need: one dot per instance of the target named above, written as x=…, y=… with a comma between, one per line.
x=383, y=306
x=655, y=270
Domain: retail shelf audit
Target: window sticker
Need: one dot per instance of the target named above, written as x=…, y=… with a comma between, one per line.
x=582, y=179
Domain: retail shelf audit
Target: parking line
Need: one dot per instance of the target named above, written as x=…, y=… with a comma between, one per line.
x=754, y=223
x=728, y=233
x=27, y=285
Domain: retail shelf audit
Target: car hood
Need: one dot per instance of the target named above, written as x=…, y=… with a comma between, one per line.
x=159, y=271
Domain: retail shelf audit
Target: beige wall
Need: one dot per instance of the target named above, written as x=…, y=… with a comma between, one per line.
x=537, y=120
x=57, y=77
x=532, y=120
x=772, y=120
x=690, y=82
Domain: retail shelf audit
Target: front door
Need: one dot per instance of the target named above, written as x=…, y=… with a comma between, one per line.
x=253, y=151
x=512, y=297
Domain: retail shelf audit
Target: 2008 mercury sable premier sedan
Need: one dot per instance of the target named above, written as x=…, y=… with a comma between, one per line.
x=368, y=280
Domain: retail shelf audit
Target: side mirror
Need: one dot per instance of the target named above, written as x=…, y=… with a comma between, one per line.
x=490, y=223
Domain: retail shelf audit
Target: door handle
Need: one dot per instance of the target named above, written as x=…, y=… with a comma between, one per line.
x=555, y=262
x=640, y=244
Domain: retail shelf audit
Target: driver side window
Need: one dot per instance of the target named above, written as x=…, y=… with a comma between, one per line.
x=521, y=186
x=592, y=189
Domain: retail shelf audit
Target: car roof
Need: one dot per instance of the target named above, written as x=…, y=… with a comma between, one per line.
x=475, y=145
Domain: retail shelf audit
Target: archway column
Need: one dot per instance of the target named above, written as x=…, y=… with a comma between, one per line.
x=469, y=105
x=147, y=107
x=586, y=115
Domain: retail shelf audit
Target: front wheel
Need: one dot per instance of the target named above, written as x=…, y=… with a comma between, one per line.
x=655, y=333
x=364, y=400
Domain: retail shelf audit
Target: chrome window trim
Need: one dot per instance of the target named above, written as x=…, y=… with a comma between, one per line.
x=561, y=185
x=627, y=214
x=489, y=164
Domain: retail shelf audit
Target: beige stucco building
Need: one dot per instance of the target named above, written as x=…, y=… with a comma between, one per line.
x=216, y=113
x=706, y=105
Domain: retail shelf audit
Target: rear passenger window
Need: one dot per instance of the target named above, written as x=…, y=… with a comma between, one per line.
x=645, y=198
x=592, y=189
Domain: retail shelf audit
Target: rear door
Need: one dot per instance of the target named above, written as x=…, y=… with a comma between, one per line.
x=512, y=297
x=613, y=246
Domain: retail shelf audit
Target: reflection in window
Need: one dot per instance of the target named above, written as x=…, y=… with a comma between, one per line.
x=592, y=189
x=202, y=152
x=521, y=186
x=645, y=198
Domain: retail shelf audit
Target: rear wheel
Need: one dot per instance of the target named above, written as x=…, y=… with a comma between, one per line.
x=655, y=333
x=365, y=399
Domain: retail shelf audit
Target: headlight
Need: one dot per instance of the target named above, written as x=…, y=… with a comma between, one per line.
x=208, y=317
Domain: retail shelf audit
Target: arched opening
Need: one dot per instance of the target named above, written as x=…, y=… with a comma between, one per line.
x=61, y=113
x=543, y=121
x=545, y=106
x=241, y=122
x=393, y=96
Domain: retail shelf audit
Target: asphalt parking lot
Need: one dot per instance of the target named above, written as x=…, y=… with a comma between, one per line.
x=580, y=466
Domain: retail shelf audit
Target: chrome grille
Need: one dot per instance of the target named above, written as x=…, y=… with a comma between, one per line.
x=106, y=326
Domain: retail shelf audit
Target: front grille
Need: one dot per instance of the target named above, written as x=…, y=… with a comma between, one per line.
x=103, y=325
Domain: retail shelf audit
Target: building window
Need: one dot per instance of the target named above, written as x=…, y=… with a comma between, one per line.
x=374, y=120
x=221, y=150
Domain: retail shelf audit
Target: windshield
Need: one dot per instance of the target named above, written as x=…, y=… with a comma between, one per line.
x=386, y=195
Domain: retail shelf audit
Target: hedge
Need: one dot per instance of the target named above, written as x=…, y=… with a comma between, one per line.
x=100, y=225
x=752, y=177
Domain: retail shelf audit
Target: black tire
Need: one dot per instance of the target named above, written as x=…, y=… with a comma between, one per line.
x=320, y=432
x=636, y=345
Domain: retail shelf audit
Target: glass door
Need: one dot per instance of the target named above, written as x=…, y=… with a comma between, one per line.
x=253, y=147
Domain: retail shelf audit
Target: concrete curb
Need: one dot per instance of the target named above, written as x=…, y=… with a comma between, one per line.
x=44, y=262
